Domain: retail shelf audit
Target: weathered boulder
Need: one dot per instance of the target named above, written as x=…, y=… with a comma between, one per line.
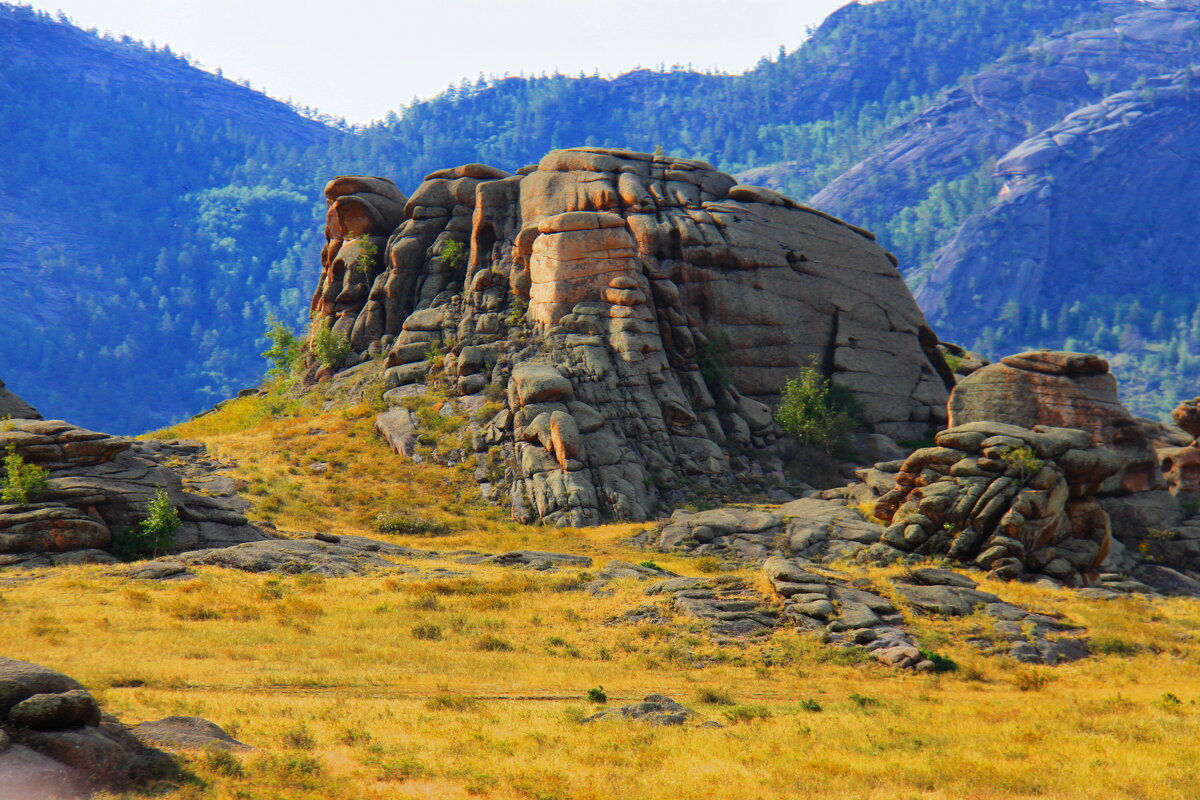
x=637, y=314
x=1065, y=390
x=1004, y=498
x=656, y=709
x=185, y=733
x=1187, y=416
x=56, y=743
x=99, y=483
x=13, y=407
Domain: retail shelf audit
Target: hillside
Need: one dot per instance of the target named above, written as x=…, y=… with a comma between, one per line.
x=154, y=234
x=118, y=242
x=437, y=675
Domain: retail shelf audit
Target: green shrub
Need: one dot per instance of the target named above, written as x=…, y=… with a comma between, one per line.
x=154, y=534
x=454, y=254
x=427, y=631
x=941, y=663
x=284, y=350
x=1023, y=461
x=492, y=644
x=328, y=346
x=409, y=523
x=597, y=695
x=367, y=251
x=747, y=713
x=22, y=481
x=810, y=705
x=716, y=697
x=863, y=701
x=516, y=312
x=817, y=412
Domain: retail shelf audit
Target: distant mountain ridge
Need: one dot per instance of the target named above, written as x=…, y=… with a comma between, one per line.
x=156, y=215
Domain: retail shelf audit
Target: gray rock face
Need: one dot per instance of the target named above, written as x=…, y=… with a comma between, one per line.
x=98, y=483
x=813, y=528
x=637, y=315
x=13, y=407
x=185, y=733
x=656, y=709
x=55, y=743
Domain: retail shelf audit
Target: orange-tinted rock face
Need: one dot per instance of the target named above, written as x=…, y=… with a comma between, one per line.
x=1063, y=390
x=1187, y=416
x=668, y=297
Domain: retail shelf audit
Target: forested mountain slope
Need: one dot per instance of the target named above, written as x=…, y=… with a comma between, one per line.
x=156, y=215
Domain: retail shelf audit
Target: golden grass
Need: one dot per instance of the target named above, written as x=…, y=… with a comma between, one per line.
x=402, y=685
x=328, y=679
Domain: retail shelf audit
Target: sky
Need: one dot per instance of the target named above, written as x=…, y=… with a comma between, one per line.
x=373, y=56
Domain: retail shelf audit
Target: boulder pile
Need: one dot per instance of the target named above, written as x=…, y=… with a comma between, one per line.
x=55, y=743
x=634, y=317
x=100, y=483
x=1006, y=499
x=1064, y=390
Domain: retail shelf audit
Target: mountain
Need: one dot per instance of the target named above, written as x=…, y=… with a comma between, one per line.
x=158, y=216
x=126, y=305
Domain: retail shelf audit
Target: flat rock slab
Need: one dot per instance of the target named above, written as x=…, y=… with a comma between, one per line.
x=538, y=559
x=953, y=601
x=289, y=556
x=186, y=733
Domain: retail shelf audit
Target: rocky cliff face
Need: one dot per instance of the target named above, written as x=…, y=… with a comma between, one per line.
x=1046, y=238
x=635, y=315
x=1072, y=238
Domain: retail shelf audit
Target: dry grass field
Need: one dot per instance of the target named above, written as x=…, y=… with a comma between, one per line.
x=405, y=685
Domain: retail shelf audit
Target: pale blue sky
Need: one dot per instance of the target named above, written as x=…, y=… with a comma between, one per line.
x=359, y=60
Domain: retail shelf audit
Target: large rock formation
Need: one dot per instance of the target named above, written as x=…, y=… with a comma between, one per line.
x=99, y=484
x=1063, y=390
x=636, y=316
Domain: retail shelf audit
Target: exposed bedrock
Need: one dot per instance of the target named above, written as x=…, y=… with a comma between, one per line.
x=1007, y=499
x=1065, y=390
x=636, y=315
x=98, y=484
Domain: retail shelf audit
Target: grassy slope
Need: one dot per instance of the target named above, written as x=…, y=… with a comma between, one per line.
x=328, y=679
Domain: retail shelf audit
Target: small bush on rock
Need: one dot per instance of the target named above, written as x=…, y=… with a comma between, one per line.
x=454, y=254
x=22, y=481
x=328, y=346
x=817, y=412
x=154, y=534
x=1023, y=461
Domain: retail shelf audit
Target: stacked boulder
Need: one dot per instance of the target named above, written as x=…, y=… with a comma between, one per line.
x=1181, y=465
x=1066, y=390
x=1007, y=499
x=55, y=743
x=665, y=305
x=99, y=483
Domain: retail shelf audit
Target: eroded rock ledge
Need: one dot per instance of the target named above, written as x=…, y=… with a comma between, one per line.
x=635, y=315
x=99, y=483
